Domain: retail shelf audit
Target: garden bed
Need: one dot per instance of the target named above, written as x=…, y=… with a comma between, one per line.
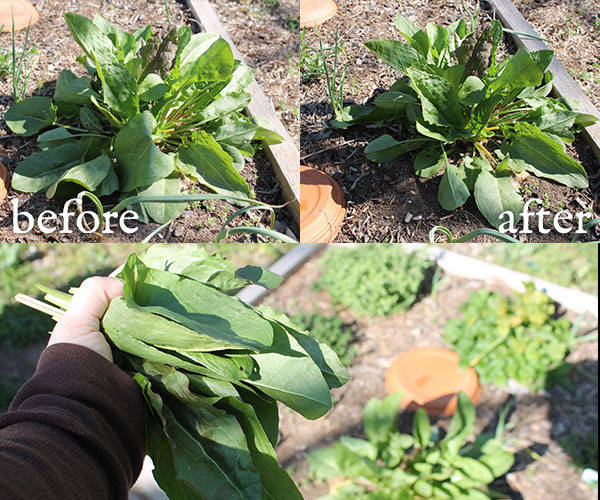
x=57, y=49
x=388, y=202
x=545, y=422
x=552, y=424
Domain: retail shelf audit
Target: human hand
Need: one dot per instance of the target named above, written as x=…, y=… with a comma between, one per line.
x=81, y=322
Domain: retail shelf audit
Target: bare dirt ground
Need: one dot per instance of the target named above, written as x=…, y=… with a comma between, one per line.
x=57, y=51
x=388, y=202
x=543, y=421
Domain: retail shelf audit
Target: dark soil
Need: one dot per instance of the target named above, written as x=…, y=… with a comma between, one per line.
x=388, y=202
x=202, y=222
x=543, y=423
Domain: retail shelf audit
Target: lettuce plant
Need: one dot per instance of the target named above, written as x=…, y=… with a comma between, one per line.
x=155, y=107
x=479, y=120
x=389, y=465
x=514, y=338
x=212, y=370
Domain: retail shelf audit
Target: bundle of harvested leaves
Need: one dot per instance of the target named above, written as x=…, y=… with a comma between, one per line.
x=482, y=120
x=157, y=105
x=212, y=370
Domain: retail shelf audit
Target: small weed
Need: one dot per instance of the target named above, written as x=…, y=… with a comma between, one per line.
x=259, y=7
x=311, y=63
x=354, y=87
x=292, y=22
x=585, y=75
x=209, y=205
x=547, y=200
x=271, y=4
x=4, y=63
x=572, y=27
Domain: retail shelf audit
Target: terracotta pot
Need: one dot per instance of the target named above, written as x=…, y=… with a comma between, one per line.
x=4, y=181
x=322, y=206
x=429, y=377
x=315, y=12
x=24, y=13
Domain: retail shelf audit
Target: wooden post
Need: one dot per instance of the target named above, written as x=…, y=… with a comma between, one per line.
x=563, y=84
x=285, y=157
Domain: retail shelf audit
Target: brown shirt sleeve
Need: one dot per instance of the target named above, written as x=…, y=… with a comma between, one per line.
x=74, y=430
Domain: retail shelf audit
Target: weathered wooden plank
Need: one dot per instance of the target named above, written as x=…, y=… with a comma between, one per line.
x=564, y=84
x=285, y=157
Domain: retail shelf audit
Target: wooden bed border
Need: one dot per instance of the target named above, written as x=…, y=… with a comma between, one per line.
x=563, y=84
x=285, y=157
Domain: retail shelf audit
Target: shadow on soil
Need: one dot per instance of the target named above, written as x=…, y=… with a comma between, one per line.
x=574, y=415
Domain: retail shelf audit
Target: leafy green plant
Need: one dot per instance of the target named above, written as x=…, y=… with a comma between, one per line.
x=292, y=22
x=330, y=330
x=479, y=120
x=393, y=466
x=212, y=370
x=156, y=106
x=372, y=279
x=513, y=338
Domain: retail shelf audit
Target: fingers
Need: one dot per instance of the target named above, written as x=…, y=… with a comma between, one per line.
x=94, y=295
x=81, y=322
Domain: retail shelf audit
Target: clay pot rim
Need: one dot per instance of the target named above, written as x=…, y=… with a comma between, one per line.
x=322, y=204
x=4, y=181
x=30, y=16
x=315, y=15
